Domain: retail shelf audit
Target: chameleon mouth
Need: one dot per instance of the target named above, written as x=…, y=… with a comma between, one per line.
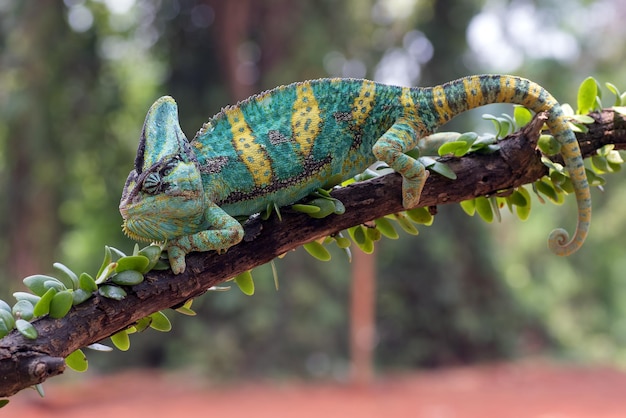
x=130, y=230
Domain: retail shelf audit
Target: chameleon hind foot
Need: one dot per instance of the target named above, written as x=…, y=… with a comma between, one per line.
x=412, y=188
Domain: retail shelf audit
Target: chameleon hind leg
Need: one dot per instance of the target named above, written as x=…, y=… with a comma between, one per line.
x=225, y=232
x=390, y=148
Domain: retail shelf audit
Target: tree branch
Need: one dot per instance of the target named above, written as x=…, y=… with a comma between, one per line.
x=24, y=362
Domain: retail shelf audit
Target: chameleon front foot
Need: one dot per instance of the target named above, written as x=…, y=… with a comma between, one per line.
x=176, y=256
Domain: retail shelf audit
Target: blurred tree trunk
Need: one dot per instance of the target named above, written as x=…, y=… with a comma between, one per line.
x=362, y=317
x=52, y=103
x=31, y=199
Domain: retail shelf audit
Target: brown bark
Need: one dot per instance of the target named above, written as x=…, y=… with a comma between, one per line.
x=26, y=362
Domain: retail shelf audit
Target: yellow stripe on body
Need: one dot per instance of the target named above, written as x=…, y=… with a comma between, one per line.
x=363, y=103
x=530, y=101
x=441, y=103
x=406, y=100
x=252, y=154
x=306, y=122
x=473, y=92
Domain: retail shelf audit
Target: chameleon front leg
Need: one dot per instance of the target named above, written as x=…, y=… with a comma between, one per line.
x=225, y=232
x=390, y=148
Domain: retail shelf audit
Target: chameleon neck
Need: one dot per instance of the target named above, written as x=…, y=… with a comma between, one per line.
x=450, y=99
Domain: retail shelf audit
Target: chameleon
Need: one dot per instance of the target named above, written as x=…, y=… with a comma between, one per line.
x=278, y=146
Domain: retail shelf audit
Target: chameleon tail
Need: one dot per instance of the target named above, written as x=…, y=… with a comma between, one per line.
x=467, y=93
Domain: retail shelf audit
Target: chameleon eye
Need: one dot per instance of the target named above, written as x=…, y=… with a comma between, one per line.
x=171, y=164
x=152, y=183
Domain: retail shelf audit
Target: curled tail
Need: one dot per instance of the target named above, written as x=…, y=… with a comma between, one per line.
x=467, y=93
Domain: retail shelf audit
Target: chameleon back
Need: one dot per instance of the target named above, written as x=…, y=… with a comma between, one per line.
x=280, y=145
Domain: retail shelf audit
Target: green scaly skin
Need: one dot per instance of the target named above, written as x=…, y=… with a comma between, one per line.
x=279, y=146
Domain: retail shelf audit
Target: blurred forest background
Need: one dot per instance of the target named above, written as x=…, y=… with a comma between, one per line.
x=77, y=77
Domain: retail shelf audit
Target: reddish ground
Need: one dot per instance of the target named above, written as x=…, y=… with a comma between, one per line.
x=529, y=390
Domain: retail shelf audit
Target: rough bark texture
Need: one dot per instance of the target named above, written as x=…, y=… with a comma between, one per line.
x=26, y=362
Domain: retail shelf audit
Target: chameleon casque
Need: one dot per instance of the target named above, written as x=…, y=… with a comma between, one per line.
x=277, y=147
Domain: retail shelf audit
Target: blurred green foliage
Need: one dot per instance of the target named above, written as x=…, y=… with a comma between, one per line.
x=76, y=78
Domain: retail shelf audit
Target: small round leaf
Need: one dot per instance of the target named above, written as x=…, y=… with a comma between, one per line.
x=128, y=277
x=26, y=329
x=61, y=304
x=43, y=306
x=23, y=309
x=245, y=283
x=121, y=340
x=317, y=250
x=132, y=262
x=77, y=361
x=112, y=292
x=160, y=322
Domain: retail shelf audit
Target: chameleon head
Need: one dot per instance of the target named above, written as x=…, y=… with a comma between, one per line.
x=163, y=196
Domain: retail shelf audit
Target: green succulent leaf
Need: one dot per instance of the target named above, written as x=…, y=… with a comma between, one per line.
x=7, y=322
x=309, y=209
x=142, y=324
x=121, y=340
x=108, y=258
x=245, y=282
x=23, y=309
x=128, y=277
x=469, y=206
x=117, y=254
x=61, y=304
x=132, y=262
x=77, y=361
x=112, y=292
x=587, y=93
x=405, y=223
x=373, y=234
x=420, y=216
x=66, y=276
x=484, y=209
x=457, y=148
x=43, y=305
x=26, y=329
x=39, y=388
x=317, y=250
x=79, y=296
x=37, y=283
x=152, y=253
x=342, y=242
x=613, y=89
x=437, y=167
x=108, y=270
x=87, y=283
x=522, y=116
x=518, y=198
x=160, y=322
x=549, y=191
x=54, y=284
x=33, y=299
x=185, y=309
x=360, y=238
x=4, y=306
x=548, y=145
x=3, y=402
x=386, y=228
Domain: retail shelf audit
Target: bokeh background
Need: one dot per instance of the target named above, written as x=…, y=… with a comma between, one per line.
x=77, y=77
